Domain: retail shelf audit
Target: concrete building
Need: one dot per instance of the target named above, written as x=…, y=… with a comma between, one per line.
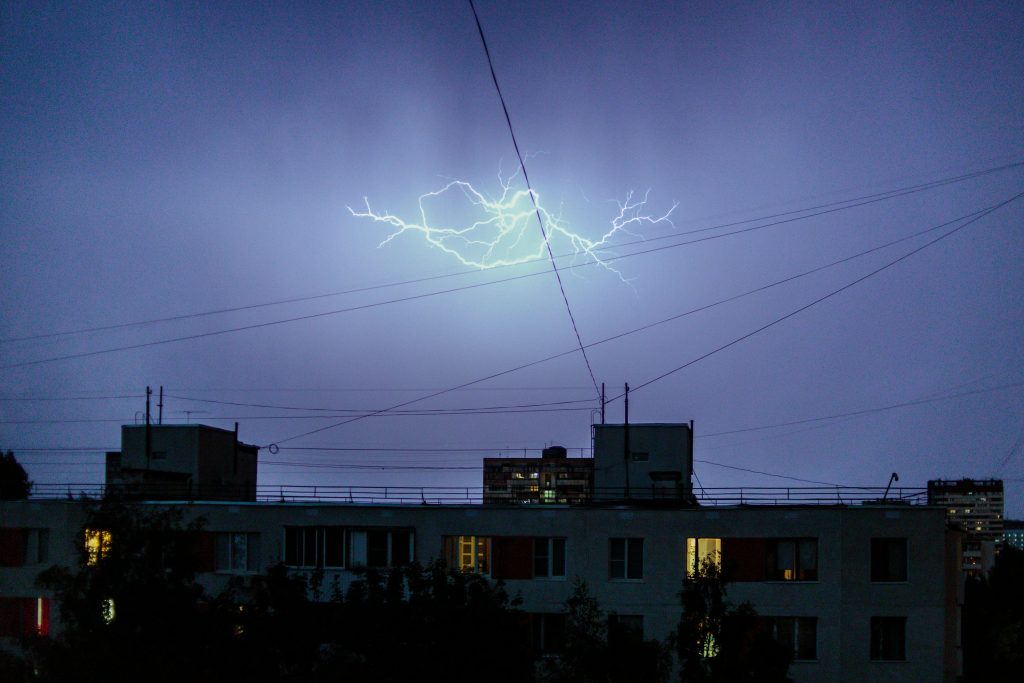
x=643, y=462
x=182, y=462
x=1013, y=533
x=860, y=592
x=974, y=506
x=552, y=478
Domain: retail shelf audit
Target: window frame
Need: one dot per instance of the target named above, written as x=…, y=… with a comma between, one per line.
x=694, y=555
x=880, y=647
x=225, y=559
x=880, y=566
x=554, y=546
x=794, y=626
x=772, y=555
x=632, y=558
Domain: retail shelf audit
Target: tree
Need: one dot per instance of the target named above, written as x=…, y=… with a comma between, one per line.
x=595, y=653
x=14, y=483
x=994, y=620
x=718, y=643
x=131, y=610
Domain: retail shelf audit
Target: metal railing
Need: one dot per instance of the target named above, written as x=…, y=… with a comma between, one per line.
x=477, y=495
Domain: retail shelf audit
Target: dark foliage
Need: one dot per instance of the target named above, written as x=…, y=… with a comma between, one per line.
x=718, y=643
x=14, y=483
x=592, y=655
x=994, y=621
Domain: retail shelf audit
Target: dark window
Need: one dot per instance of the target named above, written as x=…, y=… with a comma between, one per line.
x=888, y=638
x=377, y=549
x=798, y=634
x=549, y=557
x=626, y=558
x=888, y=559
x=334, y=546
x=791, y=559
x=625, y=628
x=237, y=552
x=548, y=633
x=400, y=554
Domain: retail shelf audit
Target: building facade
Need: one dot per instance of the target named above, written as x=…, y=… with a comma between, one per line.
x=552, y=478
x=860, y=592
x=974, y=506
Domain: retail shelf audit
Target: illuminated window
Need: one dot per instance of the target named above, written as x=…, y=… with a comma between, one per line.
x=701, y=550
x=517, y=475
x=792, y=559
x=888, y=559
x=107, y=610
x=797, y=634
x=626, y=558
x=468, y=553
x=888, y=639
x=549, y=558
x=548, y=496
x=97, y=545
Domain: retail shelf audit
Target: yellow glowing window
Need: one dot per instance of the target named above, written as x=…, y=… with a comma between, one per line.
x=107, y=610
x=701, y=550
x=97, y=544
x=474, y=553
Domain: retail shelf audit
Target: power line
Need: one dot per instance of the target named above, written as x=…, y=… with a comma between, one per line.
x=533, y=199
x=766, y=474
x=405, y=299
x=850, y=203
x=823, y=298
x=363, y=410
x=866, y=411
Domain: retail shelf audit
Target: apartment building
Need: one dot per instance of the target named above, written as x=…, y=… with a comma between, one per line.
x=860, y=592
x=552, y=478
x=976, y=507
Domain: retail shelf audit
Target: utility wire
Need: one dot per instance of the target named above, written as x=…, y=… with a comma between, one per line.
x=851, y=203
x=823, y=298
x=533, y=199
x=866, y=411
x=363, y=410
x=405, y=299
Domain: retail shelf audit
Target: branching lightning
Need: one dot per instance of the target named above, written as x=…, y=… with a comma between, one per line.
x=502, y=231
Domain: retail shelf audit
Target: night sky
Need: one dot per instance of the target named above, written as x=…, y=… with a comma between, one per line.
x=164, y=160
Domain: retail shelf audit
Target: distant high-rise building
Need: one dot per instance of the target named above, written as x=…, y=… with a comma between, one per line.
x=1013, y=533
x=552, y=478
x=976, y=507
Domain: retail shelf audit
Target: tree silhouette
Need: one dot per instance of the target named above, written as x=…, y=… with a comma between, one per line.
x=14, y=483
x=718, y=643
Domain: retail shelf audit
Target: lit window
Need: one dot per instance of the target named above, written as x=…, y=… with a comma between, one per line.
x=549, y=558
x=626, y=558
x=97, y=545
x=468, y=553
x=517, y=475
x=888, y=638
x=888, y=559
x=548, y=496
x=107, y=610
x=701, y=550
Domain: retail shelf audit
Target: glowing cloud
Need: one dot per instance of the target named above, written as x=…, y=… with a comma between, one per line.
x=483, y=232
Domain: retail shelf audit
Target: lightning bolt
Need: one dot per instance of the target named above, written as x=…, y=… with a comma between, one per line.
x=489, y=232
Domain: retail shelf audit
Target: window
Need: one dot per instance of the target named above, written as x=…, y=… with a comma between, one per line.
x=549, y=558
x=798, y=634
x=379, y=547
x=888, y=639
x=792, y=559
x=20, y=547
x=701, y=550
x=548, y=633
x=888, y=559
x=625, y=628
x=97, y=545
x=24, y=617
x=468, y=553
x=626, y=558
x=336, y=547
x=238, y=552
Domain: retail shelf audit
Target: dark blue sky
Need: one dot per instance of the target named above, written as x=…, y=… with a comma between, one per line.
x=164, y=160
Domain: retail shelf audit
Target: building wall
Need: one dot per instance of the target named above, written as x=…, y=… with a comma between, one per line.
x=842, y=597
